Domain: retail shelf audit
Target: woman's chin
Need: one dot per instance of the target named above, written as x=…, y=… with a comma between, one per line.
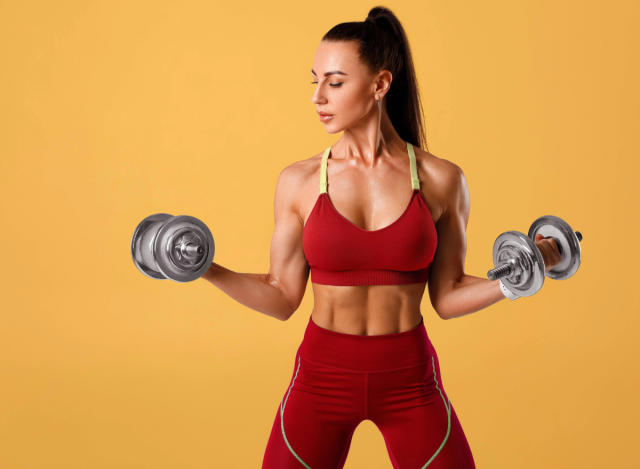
x=331, y=128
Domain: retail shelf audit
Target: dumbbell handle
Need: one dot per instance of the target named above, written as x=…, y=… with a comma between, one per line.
x=506, y=269
x=503, y=270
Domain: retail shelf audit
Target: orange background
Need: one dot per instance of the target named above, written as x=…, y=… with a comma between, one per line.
x=112, y=111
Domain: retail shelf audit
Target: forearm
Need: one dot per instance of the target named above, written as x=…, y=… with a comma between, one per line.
x=256, y=291
x=469, y=295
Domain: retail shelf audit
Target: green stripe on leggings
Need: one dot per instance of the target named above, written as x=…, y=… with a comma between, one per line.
x=282, y=419
x=446, y=406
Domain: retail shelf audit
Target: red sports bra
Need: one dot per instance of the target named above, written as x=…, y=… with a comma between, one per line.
x=341, y=253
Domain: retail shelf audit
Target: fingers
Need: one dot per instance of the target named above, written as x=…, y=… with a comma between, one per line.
x=549, y=250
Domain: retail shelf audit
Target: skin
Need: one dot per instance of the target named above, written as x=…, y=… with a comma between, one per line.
x=369, y=184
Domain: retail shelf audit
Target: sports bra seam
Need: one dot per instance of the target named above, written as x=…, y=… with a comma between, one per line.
x=420, y=195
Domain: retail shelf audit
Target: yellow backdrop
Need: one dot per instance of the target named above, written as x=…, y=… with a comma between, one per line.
x=114, y=110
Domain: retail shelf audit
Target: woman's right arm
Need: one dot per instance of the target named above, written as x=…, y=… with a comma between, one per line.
x=279, y=292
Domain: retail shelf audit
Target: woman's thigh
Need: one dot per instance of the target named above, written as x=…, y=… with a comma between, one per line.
x=316, y=418
x=418, y=422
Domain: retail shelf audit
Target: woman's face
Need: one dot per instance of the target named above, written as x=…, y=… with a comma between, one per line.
x=348, y=91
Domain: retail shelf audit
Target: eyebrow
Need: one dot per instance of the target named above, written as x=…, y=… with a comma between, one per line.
x=333, y=72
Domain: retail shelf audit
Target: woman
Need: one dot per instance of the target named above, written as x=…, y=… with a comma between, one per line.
x=373, y=218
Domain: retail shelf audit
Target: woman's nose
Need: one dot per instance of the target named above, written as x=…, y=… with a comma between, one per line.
x=317, y=100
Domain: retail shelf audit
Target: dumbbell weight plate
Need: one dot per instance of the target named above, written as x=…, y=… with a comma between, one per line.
x=528, y=275
x=142, y=244
x=555, y=227
x=183, y=248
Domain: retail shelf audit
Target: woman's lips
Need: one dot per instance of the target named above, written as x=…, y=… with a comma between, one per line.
x=325, y=117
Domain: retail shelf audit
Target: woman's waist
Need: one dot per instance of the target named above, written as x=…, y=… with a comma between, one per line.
x=364, y=352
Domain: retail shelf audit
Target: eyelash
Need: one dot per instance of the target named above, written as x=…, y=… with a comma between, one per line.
x=334, y=85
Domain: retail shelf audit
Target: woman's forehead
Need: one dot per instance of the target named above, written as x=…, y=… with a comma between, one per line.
x=331, y=57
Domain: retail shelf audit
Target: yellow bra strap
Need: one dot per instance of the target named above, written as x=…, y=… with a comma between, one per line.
x=323, y=170
x=415, y=182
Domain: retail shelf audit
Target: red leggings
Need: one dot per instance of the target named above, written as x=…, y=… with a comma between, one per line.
x=339, y=380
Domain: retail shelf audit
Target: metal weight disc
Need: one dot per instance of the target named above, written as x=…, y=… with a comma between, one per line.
x=555, y=227
x=183, y=248
x=142, y=244
x=528, y=273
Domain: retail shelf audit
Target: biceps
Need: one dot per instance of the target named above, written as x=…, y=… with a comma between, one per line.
x=448, y=264
x=288, y=267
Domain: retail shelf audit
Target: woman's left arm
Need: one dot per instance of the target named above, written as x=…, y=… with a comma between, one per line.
x=452, y=292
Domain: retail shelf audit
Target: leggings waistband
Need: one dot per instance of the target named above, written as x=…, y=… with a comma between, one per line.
x=366, y=352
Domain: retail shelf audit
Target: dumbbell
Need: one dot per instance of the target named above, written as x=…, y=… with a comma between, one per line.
x=179, y=247
x=519, y=263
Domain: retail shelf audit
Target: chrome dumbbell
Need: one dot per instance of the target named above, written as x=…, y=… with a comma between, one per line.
x=179, y=248
x=518, y=261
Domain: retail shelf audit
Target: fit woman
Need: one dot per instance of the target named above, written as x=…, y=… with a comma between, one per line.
x=374, y=218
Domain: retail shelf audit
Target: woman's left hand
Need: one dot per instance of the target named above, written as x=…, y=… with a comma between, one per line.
x=549, y=250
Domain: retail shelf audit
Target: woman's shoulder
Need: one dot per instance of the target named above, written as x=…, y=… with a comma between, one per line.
x=303, y=169
x=297, y=177
x=441, y=179
x=435, y=166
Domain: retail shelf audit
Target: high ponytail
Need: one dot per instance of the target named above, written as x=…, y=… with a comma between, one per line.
x=383, y=45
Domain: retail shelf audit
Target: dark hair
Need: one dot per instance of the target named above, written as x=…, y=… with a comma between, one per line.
x=383, y=45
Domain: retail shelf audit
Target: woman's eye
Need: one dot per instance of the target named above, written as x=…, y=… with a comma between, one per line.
x=335, y=85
